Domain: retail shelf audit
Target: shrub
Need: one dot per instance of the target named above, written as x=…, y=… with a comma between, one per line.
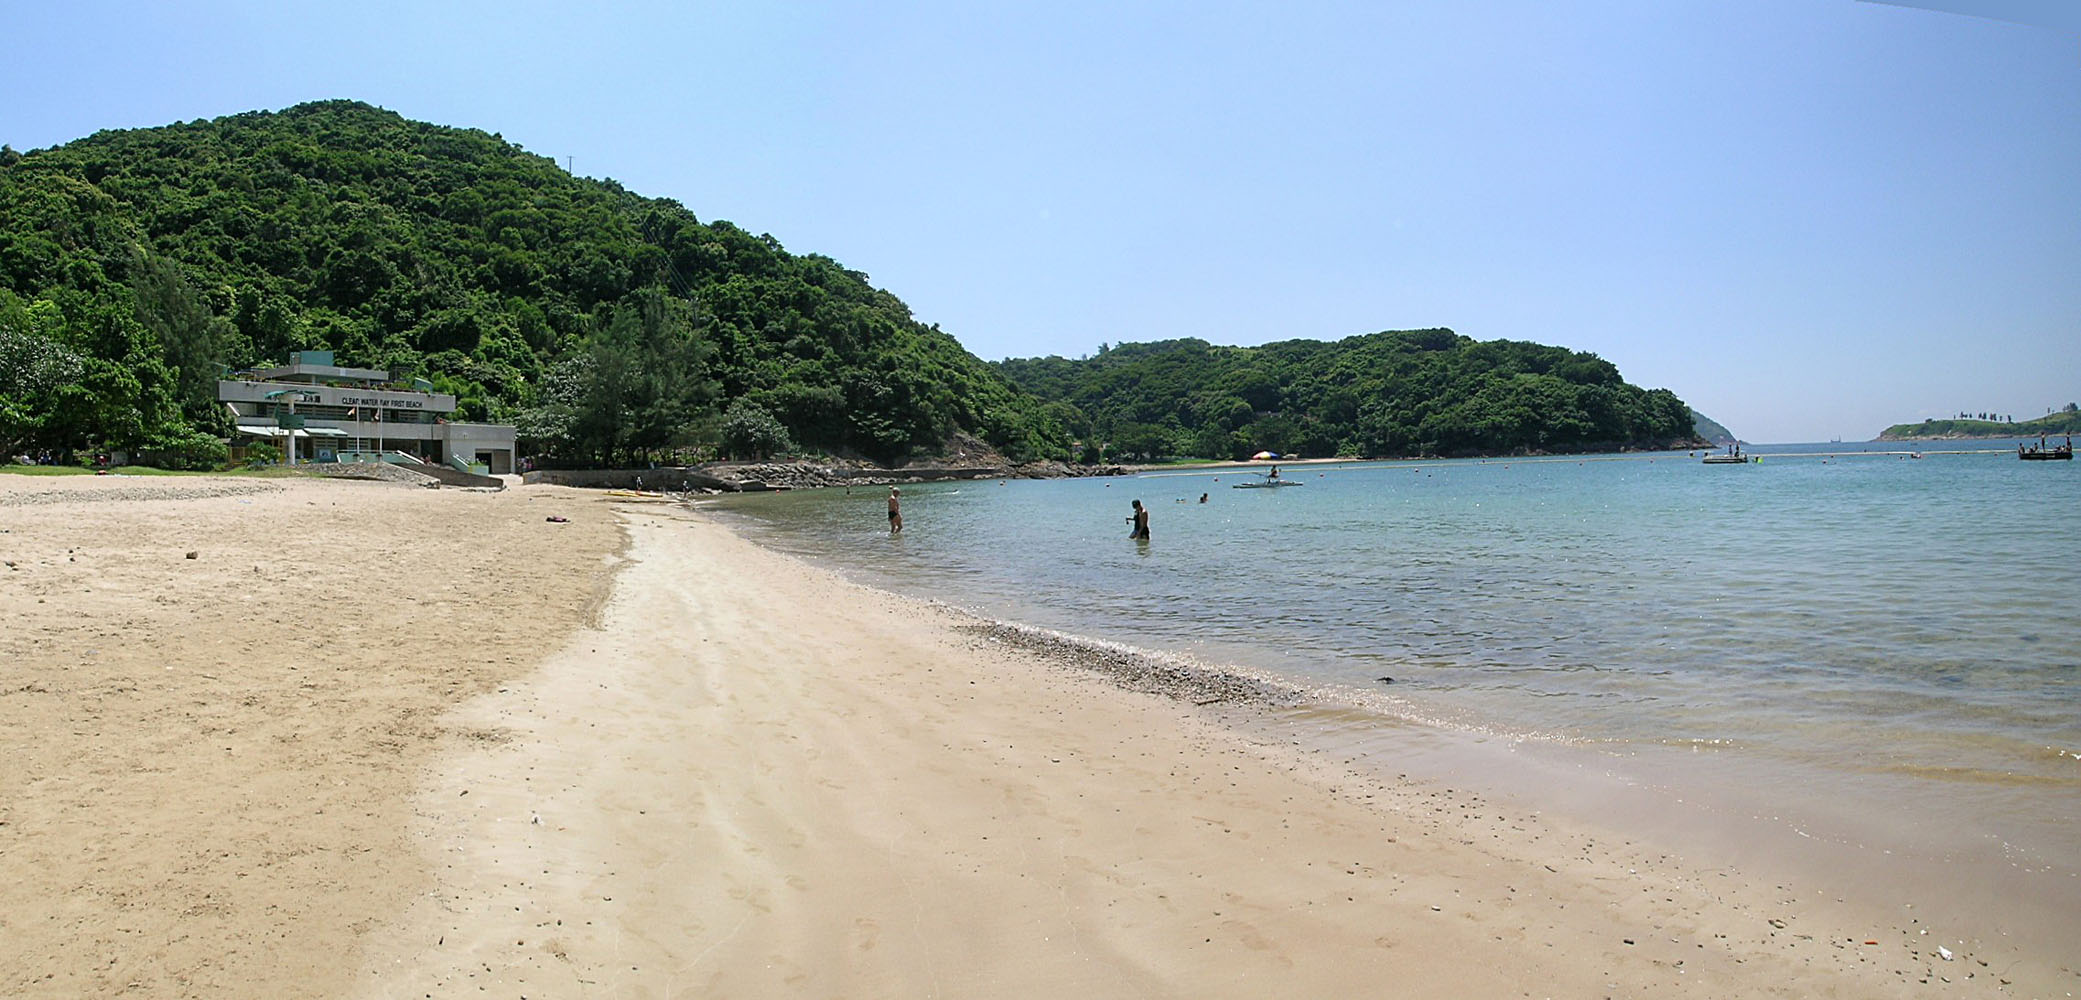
x=261, y=454
x=751, y=432
x=190, y=450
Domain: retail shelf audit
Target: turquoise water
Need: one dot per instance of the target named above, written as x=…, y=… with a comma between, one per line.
x=1832, y=611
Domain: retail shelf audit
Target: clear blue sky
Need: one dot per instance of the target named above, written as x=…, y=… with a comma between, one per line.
x=1809, y=218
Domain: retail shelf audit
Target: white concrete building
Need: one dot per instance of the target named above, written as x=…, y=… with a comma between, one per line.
x=316, y=411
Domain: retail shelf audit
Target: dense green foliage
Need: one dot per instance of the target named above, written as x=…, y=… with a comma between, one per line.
x=137, y=266
x=609, y=326
x=1398, y=393
x=2066, y=421
x=750, y=432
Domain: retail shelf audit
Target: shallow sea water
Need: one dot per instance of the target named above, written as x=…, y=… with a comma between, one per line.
x=1886, y=636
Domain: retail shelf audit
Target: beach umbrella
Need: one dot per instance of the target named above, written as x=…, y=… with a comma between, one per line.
x=1265, y=454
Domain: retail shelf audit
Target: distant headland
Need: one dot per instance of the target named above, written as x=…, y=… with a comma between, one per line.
x=2066, y=421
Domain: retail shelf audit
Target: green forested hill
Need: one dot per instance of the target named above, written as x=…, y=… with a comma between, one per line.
x=133, y=264
x=1396, y=393
x=136, y=266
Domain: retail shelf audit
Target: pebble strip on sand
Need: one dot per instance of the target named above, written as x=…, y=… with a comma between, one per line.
x=1137, y=670
x=135, y=493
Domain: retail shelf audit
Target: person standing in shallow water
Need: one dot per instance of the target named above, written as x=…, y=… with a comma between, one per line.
x=1141, y=522
x=895, y=512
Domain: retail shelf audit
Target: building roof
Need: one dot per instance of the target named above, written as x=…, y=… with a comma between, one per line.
x=322, y=371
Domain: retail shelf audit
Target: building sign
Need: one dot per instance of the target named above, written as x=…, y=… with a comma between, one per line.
x=393, y=403
x=264, y=393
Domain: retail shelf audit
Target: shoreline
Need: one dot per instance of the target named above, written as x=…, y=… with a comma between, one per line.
x=729, y=477
x=1980, y=899
x=1525, y=456
x=1853, y=835
x=842, y=790
x=447, y=744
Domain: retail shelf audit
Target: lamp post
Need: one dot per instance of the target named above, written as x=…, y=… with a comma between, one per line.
x=291, y=422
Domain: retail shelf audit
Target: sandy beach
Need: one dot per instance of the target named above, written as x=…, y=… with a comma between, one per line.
x=297, y=738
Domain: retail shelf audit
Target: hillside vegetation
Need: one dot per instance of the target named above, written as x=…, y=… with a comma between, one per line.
x=1396, y=393
x=137, y=267
x=610, y=326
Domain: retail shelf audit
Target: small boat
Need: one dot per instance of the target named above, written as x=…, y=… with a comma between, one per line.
x=1732, y=456
x=1271, y=479
x=2040, y=453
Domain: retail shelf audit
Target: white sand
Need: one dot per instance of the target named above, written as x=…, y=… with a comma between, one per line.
x=209, y=762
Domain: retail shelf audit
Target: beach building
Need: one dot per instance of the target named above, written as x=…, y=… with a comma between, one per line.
x=317, y=411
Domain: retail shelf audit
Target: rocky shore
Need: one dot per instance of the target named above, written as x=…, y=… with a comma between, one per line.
x=755, y=477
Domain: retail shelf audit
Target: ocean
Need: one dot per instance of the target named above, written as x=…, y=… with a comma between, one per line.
x=1839, y=645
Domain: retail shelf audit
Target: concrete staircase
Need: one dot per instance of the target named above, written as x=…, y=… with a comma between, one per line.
x=456, y=477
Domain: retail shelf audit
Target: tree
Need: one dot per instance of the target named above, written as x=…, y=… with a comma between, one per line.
x=749, y=431
x=1390, y=393
x=188, y=336
x=665, y=391
x=453, y=254
x=637, y=389
x=611, y=325
x=549, y=423
x=32, y=369
x=1145, y=441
